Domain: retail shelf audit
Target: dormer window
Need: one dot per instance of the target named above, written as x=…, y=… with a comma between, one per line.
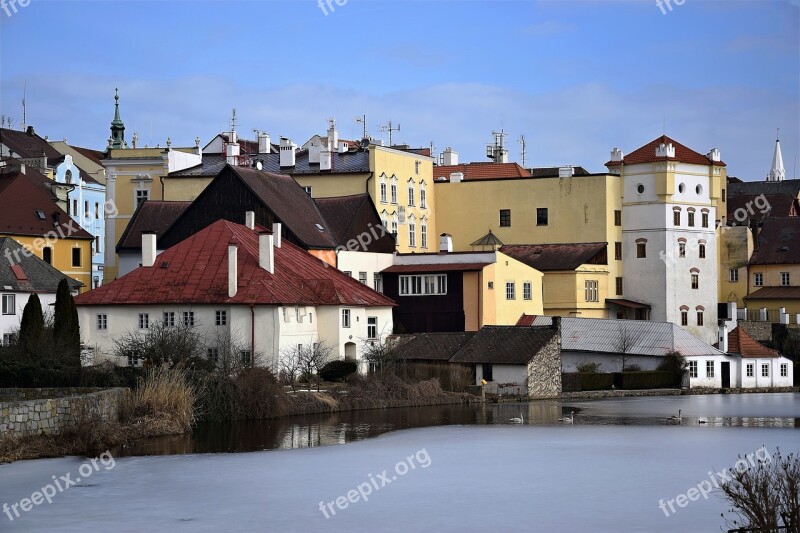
x=40, y=214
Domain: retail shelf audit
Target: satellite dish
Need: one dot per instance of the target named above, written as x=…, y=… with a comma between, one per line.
x=259, y=165
x=364, y=143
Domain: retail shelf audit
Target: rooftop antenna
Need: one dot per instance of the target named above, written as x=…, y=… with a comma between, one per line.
x=24, y=107
x=433, y=150
x=363, y=121
x=497, y=152
x=390, y=129
x=522, y=142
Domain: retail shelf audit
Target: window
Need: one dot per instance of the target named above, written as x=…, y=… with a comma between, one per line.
x=618, y=251
x=765, y=370
x=298, y=316
x=221, y=318
x=74, y=208
x=102, y=321
x=526, y=290
x=750, y=369
x=47, y=255
x=96, y=210
x=411, y=194
x=188, y=319
x=681, y=249
x=412, y=234
x=68, y=176
x=784, y=279
x=784, y=370
x=244, y=357
x=144, y=321
x=394, y=192
x=286, y=314
x=511, y=290
x=394, y=226
x=758, y=279
x=691, y=219
x=345, y=318
x=86, y=212
x=723, y=195
x=676, y=218
x=486, y=371
x=692, y=369
x=310, y=318
x=9, y=339
x=541, y=216
x=695, y=281
x=308, y=189
x=702, y=251
x=376, y=282
x=641, y=250
x=362, y=277
x=420, y=285
x=383, y=192
x=423, y=198
x=213, y=354
x=142, y=195
x=734, y=275
x=617, y=217
x=709, y=369
x=699, y=318
x=619, y=286
x=169, y=319
x=348, y=273
x=9, y=304
x=505, y=217
x=372, y=327
x=423, y=235
x=590, y=290
x=76, y=257
x=684, y=317
x=704, y=219
x=97, y=244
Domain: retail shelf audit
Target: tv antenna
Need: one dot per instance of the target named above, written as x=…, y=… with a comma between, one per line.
x=522, y=142
x=363, y=121
x=24, y=109
x=390, y=129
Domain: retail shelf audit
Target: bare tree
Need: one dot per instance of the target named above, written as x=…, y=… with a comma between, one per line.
x=290, y=364
x=159, y=344
x=229, y=355
x=380, y=353
x=626, y=340
x=305, y=359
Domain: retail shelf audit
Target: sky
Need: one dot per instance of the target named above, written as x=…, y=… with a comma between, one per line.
x=576, y=78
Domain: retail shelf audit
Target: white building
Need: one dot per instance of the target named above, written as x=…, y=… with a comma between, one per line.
x=231, y=281
x=669, y=215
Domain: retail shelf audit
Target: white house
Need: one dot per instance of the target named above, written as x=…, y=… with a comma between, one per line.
x=757, y=366
x=23, y=274
x=232, y=281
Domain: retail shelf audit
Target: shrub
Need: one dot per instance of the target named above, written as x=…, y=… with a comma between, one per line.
x=338, y=370
x=588, y=367
x=633, y=368
x=648, y=380
x=596, y=381
x=164, y=402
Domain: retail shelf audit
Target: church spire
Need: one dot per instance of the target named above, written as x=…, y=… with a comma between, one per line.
x=117, y=139
x=777, y=173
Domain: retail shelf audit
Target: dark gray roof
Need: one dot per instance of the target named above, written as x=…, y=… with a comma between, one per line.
x=211, y=165
x=552, y=172
x=22, y=271
x=430, y=346
x=545, y=257
x=509, y=345
x=346, y=163
x=754, y=188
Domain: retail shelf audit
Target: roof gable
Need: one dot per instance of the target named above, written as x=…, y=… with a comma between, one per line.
x=740, y=342
x=481, y=170
x=647, y=154
x=28, y=273
x=504, y=345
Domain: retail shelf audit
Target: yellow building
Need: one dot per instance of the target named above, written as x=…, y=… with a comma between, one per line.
x=30, y=215
x=774, y=269
x=735, y=249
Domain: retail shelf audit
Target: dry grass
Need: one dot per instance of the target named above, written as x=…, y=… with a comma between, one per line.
x=162, y=404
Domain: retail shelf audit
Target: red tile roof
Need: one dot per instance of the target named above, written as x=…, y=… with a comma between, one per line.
x=526, y=320
x=474, y=171
x=740, y=342
x=195, y=271
x=22, y=197
x=647, y=154
x=436, y=267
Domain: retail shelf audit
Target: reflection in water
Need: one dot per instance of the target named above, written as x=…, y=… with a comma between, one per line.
x=339, y=428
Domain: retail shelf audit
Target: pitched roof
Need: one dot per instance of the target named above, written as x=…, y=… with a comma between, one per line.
x=210, y=166
x=490, y=239
x=26, y=208
x=346, y=163
x=151, y=215
x=643, y=337
x=778, y=242
x=28, y=273
x=775, y=293
x=481, y=170
x=430, y=346
x=509, y=345
x=195, y=271
x=94, y=155
x=435, y=267
x=552, y=172
x=740, y=342
x=780, y=205
x=339, y=212
x=754, y=188
x=28, y=144
x=647, y=154
x=545, y=257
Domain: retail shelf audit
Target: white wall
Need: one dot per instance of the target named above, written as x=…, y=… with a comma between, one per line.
x=773, y=380
x=371, y=263
x=703, y=380
x=608, y=362
x=10, y=323
x=517, y=374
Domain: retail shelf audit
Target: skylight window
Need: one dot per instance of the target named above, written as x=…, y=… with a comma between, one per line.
x=41, y=215
x=319, y=227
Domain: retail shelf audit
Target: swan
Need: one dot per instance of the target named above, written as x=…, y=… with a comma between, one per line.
x=702, y=421
x=568, y=419
x=677, y=418
x=515, y=420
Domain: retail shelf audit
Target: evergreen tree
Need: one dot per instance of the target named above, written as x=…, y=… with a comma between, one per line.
x=31, y=329
x=66, y=329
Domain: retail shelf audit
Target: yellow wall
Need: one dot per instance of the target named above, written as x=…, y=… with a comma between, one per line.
x=62, y=256
x=772, y=275
x=328, y=185
x=565, y=292
x=472, y=301
x=734, y=250
x=184, y=189
x=495, y=308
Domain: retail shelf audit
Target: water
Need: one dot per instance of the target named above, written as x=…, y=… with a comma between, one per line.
x=609, y=471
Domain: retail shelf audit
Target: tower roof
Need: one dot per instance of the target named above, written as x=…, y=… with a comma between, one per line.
x=777, y=173
x=117, y=139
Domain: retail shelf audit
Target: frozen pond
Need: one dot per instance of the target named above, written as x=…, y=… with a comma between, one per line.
x=485, y=476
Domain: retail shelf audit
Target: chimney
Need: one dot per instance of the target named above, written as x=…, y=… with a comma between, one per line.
x=665, y=150
x=276, y=232
x=333, y=136
x=617, y=155
x=343, y=147
x=197, y=150
x=287, y=149
x=445, y=243
x=314, y=149
x=325, y=160
x=714, y=155
x=456, y=177
x=449, y=157
x=266, y=251
x=233, y=270
x=264, y=146
x=555, y=323
x=148, y=248
x=250, y=219
x=723, y=337
x=232, y=152
x=566, y=171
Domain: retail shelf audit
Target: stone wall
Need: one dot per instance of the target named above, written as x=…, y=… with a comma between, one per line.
x=64, y=409
x=544, y=370
x=762, y=331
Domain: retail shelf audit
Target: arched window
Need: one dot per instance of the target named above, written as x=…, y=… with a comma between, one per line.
x=383, y=188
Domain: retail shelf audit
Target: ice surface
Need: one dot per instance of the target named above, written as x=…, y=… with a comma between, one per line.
x=480, y=478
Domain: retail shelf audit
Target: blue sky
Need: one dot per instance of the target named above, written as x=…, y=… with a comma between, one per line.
x=577, y=78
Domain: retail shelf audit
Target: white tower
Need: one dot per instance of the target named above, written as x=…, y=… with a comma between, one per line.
x=777, y=173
